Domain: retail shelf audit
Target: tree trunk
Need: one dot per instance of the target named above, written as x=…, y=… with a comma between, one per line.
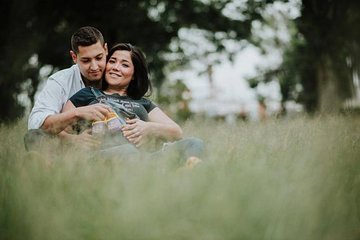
x=329, y=100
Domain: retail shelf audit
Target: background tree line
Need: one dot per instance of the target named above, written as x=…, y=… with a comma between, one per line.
x=323, y=56
x=321, y=63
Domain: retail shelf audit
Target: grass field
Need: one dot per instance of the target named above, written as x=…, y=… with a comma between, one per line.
x=295, y=179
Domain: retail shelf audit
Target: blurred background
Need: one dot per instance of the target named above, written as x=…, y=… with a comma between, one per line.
x=224, y=59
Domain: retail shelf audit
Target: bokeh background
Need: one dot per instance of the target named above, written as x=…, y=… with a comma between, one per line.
x=224, y=59
x=219, y=67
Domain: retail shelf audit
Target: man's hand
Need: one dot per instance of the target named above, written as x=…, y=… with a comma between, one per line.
x=70, y=114
x=84, y=140
x=95, y=112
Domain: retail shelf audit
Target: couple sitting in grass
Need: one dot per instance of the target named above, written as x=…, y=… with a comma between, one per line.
x=109, y=102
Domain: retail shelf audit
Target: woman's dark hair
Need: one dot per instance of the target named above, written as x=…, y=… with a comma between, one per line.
x=140, y=84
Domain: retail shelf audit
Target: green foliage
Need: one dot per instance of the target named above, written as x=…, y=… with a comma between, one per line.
x=295, y=179
x=43, y=28
x=176, y=99
x=323, y=55
x=332, y=43
x=322, y=58
x=297, y=70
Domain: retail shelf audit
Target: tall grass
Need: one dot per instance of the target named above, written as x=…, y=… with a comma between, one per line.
x=296, y=179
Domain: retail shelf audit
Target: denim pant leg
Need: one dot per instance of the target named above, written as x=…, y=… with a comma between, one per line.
x=187, y=147
x=182, y=149
x=34, y=138
x=121, y=152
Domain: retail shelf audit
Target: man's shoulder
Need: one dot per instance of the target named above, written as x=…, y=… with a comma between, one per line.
x=66, y=74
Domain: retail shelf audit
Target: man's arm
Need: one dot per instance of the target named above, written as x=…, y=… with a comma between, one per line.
x=49, y=102
x=56, y=123
x=48, y=114
x=70, y=114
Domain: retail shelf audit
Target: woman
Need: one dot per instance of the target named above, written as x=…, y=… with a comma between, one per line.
x=126, y=81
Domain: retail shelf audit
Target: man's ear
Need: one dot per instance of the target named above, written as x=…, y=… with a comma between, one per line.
x=73, y=56
x=106, y=48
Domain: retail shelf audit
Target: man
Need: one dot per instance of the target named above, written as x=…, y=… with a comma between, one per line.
x=88, y=52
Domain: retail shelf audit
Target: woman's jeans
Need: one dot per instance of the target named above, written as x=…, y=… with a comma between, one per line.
x=180, y=150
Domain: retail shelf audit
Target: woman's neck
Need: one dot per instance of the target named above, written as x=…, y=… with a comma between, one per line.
x=121, y=92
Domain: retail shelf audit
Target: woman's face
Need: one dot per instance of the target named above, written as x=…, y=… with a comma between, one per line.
x=119, y=69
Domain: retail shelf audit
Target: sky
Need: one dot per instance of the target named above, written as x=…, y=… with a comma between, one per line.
x=230, y=92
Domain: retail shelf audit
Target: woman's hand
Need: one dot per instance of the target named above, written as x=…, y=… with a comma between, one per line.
x=136, y=131
x=159, y=126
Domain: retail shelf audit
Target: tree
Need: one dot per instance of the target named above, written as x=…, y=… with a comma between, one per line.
x=322, y=56
x=331, y=33
x=41, y=30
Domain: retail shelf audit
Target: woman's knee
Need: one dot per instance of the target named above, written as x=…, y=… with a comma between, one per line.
x=194, y=146
x=197, y=142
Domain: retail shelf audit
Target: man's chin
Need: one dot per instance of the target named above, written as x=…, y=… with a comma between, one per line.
x=94, y=78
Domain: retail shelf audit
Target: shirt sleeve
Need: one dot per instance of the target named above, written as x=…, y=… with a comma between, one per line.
x=49, y=102
x=83, y=97
x=149, y=105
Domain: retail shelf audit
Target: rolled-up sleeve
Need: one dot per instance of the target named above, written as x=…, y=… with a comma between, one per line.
x=49, y=102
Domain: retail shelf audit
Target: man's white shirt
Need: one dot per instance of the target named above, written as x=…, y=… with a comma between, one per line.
x=58, y=89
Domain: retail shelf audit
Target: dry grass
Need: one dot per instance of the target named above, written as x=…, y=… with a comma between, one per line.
x=296, y=179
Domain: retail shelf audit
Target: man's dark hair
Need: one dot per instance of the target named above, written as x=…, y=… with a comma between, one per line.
x=140, y=85
x=86, y=36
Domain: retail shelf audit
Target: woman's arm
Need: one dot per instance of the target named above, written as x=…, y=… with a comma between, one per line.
x=158, y=126
x=161, y=125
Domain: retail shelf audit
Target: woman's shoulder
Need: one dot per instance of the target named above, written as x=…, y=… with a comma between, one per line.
x=85, y=90
x=146, y=100
x=141, y=100
x=147, y=103
x=83, y=97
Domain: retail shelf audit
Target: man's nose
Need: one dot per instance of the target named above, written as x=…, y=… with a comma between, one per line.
x=94, y=65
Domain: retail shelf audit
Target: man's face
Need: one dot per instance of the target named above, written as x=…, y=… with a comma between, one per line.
x=91, y=60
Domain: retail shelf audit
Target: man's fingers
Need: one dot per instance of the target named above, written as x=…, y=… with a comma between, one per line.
x=99, y=116
x=94, y=112
x=104, y=108
x=87, y=131
x=100, y=111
